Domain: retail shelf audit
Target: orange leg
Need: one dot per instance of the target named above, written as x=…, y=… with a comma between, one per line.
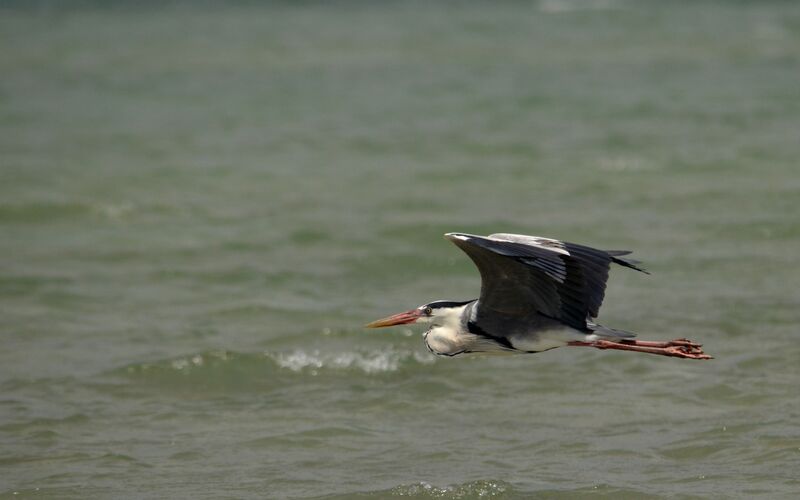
x=679, y=348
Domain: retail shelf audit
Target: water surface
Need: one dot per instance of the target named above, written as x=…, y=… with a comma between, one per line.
x=201, y=205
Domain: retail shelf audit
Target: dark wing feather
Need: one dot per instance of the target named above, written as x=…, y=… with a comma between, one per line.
x=525, y=274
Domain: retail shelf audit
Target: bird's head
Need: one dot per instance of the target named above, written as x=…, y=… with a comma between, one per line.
x=437, y=312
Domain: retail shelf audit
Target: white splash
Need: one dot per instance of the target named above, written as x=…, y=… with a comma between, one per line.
x=186, y=363
x=368, y=362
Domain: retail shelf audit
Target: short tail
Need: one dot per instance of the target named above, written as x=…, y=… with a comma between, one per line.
x=610, y=333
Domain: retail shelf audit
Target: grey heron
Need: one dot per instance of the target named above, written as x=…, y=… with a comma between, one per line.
x=536, y=294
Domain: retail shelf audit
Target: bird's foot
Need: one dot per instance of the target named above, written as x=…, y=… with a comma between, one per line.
x=685, y=348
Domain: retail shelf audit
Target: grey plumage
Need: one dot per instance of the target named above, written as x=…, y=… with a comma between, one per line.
x=525, y=278
x=536, y=294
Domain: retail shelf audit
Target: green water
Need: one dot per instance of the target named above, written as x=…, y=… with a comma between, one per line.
x=200, y=205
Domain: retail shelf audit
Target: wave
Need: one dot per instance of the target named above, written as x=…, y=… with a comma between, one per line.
x=297, y=362
x=492, y=489
x=367, y=362
x=481, y=489
x=36, y=212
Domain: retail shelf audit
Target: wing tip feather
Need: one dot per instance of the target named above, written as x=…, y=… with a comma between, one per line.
x=457, y=236
x=629, y=263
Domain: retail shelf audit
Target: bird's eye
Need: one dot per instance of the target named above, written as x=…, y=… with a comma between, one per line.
x=428, y=310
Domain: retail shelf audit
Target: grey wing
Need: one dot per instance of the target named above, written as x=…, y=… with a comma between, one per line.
x=522, y=275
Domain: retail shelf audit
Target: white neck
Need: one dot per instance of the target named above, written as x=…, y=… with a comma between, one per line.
x=448, y=317
x=447, y=334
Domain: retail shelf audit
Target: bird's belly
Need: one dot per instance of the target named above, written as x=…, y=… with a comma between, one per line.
x=544, y=340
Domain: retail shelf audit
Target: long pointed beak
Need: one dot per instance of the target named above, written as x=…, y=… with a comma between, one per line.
x=396, y=319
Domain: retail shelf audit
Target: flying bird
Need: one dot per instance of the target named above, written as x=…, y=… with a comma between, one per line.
x=536, y=294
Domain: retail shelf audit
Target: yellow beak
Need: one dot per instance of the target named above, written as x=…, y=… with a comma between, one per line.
x=396, y=319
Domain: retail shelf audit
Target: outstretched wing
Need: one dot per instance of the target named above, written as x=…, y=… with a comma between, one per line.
x=521, y=275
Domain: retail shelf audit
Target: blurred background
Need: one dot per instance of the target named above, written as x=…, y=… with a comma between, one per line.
x=201, y=204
